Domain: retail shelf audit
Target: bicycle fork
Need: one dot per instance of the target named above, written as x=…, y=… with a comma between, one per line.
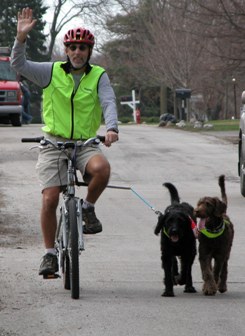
x=65, y=228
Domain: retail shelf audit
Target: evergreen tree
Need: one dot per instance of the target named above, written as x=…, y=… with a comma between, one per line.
x=36, y=49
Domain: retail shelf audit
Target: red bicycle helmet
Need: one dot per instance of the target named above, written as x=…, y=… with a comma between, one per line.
x=79, y=35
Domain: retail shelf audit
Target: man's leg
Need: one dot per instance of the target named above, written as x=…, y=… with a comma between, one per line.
x=48, y=215
x=50, y=201
x=98, y=169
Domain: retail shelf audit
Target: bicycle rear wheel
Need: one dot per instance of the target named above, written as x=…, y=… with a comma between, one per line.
x=73, y=249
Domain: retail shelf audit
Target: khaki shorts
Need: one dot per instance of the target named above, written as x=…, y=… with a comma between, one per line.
x=52, y=163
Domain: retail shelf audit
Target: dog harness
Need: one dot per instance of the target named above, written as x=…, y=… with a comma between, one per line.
x=217, y=233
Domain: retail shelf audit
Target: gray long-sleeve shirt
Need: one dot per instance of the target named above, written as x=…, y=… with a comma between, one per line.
x=40, y=74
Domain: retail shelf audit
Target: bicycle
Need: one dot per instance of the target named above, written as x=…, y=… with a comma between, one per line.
x=69, y=240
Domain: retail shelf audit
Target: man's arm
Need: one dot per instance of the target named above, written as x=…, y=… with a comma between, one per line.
x=108, y=103
x=109, y=108
x=38, y=73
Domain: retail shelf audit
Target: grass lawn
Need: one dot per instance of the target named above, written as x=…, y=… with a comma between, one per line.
x=218, y=125
x=225, y=125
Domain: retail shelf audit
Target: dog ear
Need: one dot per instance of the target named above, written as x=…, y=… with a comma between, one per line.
x=220, y=208
x=160, y=224
x=189, y=209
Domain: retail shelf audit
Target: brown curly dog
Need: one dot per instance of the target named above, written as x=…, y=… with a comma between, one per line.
x=215, y=240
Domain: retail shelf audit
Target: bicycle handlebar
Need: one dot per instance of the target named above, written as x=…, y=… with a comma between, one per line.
x=38, y=139
x=94, y=140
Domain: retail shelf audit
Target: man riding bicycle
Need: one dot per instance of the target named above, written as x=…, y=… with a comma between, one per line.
x=75, y=94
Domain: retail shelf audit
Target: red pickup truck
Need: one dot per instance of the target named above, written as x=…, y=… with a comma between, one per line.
x=10, y=91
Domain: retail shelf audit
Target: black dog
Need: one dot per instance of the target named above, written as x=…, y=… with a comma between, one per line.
x=177, y=239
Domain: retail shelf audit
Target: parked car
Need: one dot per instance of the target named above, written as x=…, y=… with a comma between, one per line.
x=241, y=147
x=10, y=91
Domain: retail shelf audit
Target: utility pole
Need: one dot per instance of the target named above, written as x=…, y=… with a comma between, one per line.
x=234, y=89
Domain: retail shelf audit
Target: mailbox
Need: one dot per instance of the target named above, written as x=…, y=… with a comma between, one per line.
x=183, y=93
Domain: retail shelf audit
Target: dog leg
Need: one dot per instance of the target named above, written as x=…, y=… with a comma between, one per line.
x=189, y=288
x=185, y=277
x=175, y=271
x=209, y=285
x=222, y=286
x=168, y=281
x=218, y=265
x=181, y=278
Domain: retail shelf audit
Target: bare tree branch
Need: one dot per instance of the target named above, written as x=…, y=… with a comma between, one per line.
x=64, y=11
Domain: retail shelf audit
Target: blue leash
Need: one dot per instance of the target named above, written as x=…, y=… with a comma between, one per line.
x=157, y=212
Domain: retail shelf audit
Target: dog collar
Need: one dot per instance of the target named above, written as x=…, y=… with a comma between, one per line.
x=210, y=234
x=193, y=223
x=165, y=232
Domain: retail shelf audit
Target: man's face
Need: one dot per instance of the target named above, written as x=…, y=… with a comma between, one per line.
x=78, y=54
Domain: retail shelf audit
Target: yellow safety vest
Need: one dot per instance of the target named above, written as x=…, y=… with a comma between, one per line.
x=70, y=114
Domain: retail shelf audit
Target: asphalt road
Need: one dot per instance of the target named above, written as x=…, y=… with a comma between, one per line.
x=121, y=275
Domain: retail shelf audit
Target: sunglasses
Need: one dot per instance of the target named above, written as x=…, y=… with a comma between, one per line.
x=81, y=47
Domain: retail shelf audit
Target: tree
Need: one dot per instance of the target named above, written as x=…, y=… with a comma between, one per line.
x=221, y=24
x=194, y=44
x=36, y=49
x=153, y=49
x=64, y=11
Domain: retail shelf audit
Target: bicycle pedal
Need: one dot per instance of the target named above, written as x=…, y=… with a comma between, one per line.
x=51, y=276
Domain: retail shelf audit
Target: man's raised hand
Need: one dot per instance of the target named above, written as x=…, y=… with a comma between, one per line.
x=25, y=23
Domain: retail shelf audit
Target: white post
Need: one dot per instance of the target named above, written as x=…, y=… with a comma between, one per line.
x=132, y=104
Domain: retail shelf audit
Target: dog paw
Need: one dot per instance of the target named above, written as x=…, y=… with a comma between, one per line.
x=209, y=293
x=190, y=289
x=209, y=289
x=168, y=294
x=178, y=280
x=223, y=289
x=181, y=282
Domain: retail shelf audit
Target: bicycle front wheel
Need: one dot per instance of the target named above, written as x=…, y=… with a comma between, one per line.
x=73, y=249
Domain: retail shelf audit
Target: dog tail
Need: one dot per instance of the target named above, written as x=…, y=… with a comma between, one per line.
x=222, y=189
x=173, y=192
